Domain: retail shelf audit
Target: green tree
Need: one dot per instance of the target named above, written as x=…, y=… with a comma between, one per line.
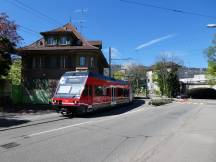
x=6, y=48
x=137, y=77
x=8, y=40
x=119, y=75
x=15, y=72
x=166, y=70
x=211, y=55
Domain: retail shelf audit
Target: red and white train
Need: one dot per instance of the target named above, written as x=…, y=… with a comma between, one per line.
x=81, y=92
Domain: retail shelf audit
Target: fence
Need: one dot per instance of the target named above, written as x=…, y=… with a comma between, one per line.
x=17, y=94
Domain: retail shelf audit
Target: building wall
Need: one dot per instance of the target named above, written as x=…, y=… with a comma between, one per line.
x=41, y=72
x=151, y=85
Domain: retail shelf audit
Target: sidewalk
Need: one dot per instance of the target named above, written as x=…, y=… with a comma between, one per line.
x=10, y=120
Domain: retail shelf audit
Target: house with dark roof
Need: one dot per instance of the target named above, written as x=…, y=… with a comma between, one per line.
x=59, y=50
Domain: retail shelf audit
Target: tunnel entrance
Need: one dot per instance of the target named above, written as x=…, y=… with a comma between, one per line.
x=202, y=93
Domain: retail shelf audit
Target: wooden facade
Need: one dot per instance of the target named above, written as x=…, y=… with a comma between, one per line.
x=59, y=50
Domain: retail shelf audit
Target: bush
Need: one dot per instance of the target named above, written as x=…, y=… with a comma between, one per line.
x=158, y=102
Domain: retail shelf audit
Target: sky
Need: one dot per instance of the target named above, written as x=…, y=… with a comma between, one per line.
x=139, y=32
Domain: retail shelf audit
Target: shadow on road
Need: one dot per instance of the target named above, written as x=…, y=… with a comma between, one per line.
x=115, y=110
x=8, y=122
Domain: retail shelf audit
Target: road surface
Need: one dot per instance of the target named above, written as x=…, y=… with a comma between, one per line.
x=178, y=132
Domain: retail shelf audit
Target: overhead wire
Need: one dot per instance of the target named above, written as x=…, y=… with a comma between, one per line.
x=39, y=12
x=168, y=9
x=28, y=31
x=33, y=11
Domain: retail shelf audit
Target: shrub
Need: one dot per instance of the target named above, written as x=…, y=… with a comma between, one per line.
x=158, y=102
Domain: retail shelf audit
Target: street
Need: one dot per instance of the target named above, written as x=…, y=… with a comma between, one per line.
x=183, y=131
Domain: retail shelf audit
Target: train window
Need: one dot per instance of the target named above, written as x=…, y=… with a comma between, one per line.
x=120, y=92
x=108, y=91
x=98, y=91
x=126, y=92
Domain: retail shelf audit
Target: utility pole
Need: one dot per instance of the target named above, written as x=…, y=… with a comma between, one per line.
x=110, y=59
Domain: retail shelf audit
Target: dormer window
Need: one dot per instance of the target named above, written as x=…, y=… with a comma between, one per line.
x=51, y=41
x=64, y=41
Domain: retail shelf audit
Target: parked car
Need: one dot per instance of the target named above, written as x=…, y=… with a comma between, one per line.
x=182, y=96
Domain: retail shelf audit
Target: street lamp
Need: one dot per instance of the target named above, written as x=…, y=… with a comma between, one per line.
x=211, y=25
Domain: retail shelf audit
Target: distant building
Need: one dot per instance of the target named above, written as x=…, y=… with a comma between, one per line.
x=186, y=72
x=59, y=50
x=185, y=75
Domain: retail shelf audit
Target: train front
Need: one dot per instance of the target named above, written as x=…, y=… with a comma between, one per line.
x=66, y=99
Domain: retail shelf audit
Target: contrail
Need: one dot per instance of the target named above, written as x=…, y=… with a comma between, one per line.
x=154, y=41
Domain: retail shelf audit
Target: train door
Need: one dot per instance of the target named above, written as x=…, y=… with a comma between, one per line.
x=113, y=96
x=87, y=94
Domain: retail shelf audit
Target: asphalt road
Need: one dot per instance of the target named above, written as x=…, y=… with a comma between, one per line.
x=178, y=132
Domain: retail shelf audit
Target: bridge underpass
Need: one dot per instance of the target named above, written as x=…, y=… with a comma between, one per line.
x=202, y=93
x=198, y=87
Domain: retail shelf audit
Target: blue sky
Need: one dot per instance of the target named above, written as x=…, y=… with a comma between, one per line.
x=133, y=31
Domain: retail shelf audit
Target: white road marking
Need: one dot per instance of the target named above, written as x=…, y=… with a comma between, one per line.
x=53, y=130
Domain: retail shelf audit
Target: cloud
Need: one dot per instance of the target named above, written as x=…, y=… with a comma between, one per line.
x=154, y=41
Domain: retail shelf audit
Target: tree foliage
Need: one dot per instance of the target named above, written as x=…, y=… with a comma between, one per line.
x=8, y=40
x=137, y=77
x=211, y=55
x=167, y=78
x=8, y=29
x=6, y=47
x=15, y=72
x=119, y=75
x=134, y=73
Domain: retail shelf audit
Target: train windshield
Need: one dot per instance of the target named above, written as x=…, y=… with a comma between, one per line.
x=70, y=86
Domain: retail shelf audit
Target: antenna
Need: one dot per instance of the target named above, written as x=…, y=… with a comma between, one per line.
x=82, y=13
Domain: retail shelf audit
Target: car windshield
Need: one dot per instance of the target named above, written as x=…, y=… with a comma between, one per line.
x=70, y=86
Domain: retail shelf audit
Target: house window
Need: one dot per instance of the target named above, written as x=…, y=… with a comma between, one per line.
x=92, y=61
x=51, y=41
x=82, y=61
x=63, y=41
x=36, y=62
x=63, y=61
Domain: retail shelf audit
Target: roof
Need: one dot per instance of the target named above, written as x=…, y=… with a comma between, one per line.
x=68, y=28
x=95, y=75
x=95, y=42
